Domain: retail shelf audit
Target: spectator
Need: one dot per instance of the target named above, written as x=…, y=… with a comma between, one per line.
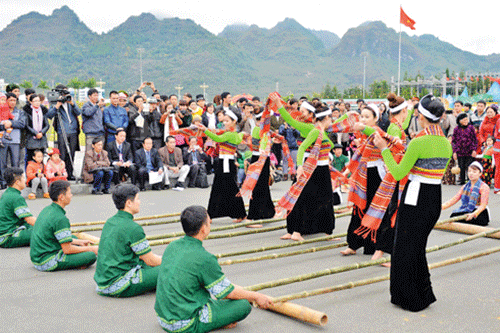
x=339, y=160
x=467, y=109
x=220, y=119
x=360, y=102
x=55, y=168
x=14, y=89
x=383, y=120
x=209, y=118
x=136, y=122
x=293, y=104
x=225, y=103
x=200, y=101
x=122, y=101
x=217, y=100
x=414, y=128
x=35, y=175
x=478, y=116
x=5, y=115
x=121, y=157
x=464, y=145
x=449, y=177
x=148, y=160
x=174, y=101
x=240, y=103
x=194, y=108
x=92, y=117
x=291, y=135
x=195, y=159
x=184, y=114
x=65, y=114
x=487, y=127
x=115, y=117
x=152, y=122
x=240, y=164
x=256, y=101
x=97, y=168
x=12, y=148
x=170, y=120
x=187, y=98
x=248, y=122
x=37, y=126
x=173, y=164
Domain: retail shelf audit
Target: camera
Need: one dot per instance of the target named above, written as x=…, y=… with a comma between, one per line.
x=152, y=100
x=58, y=95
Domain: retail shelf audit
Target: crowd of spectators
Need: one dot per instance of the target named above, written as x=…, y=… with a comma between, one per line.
x=132, y=137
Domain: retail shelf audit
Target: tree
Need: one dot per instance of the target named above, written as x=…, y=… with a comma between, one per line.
x=26, y=84
x=90, y=83
x=75, y=83
x=43, y=85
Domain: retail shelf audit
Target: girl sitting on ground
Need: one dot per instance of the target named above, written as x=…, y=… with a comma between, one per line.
x=474, y=198
x=35, y=175
x=55, y=168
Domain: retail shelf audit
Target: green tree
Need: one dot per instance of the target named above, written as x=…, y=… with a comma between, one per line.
x=43, y=85
x=90, y=83
x=26, y=84
x=75, y=83
x=447, y=72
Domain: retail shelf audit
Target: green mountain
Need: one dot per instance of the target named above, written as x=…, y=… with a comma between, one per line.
x=241, y=58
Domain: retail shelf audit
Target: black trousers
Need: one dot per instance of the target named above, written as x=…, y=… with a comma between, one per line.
x=463, y=164
x=65, y=154
x=131, y=171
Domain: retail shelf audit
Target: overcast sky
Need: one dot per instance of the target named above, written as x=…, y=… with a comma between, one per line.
x=464, y=25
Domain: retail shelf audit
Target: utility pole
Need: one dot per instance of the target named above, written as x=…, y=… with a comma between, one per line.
x=179, y=88
x=204, y=87
x=140, y=50
x=364, y=74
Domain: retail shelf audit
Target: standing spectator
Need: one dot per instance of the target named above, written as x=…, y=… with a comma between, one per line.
x=14, y=89
x=256, y=101
x=194, y=108
x=478, y=116
x=122, y=101
x=487, y=127
x=225, y=103
x=248, y=122
x=147, y=160
x=65, y=114
x=173, y=164
x=12, y=148
x=414, y=128
x=55, y=168
x=291, y=135
x=217, y=100
x=209, y=118
x=96, y=167
x=135, y=129
x=170, y=120
x=92, y=117
x=195, y=159
x=37, y=127
x=200, y=101
x=174, y=101
x=184, y=114
x=152, y=121
x=115, y=117
x=383, y=121
x=121, y=157
x=187, y=98
x=464, y=145
x=35, y=175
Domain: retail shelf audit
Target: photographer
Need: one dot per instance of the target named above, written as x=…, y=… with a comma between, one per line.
x=65, y=114
x=195, y=158
x=145, y=123
x=185, y=114
x=92, y=117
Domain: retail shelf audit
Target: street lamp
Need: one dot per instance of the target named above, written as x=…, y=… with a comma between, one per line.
x=179, y=88
x=140, y=50
x=204, y=87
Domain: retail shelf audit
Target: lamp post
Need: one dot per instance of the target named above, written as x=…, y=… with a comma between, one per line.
x=179, y=88
x=204, y=87
x=140, y=50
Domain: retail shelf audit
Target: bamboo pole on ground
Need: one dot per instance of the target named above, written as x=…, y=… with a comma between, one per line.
x=82, y=235
x=365, y=282
x=354, y=266
x=464, y=228
x=160, y=216
x=300, y=312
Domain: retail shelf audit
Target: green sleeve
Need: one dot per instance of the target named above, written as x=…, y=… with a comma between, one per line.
x=406, y=123
x=62, y=230
x=231, y=137
x=394, y=130
x=138, y=242
x=341, y=119
x=21, y=209
x=213, y=279
x=302, y=127
x=368, y=131
x=310, y=139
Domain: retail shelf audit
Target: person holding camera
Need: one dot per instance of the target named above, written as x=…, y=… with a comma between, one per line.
x=65, y=114
x=97, y=168
x=145, y=122
x=115, y=117
x=92, y=117
x=184, y=114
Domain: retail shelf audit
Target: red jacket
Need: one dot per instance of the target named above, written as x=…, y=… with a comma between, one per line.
x=486, y=129
x=32, y=169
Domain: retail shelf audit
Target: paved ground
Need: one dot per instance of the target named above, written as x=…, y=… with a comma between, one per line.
x=467, y=293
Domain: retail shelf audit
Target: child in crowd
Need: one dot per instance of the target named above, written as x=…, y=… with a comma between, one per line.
x=5, y=115
x=55, y=168
x=449, y=177
x=487, y=161
x=35, y=175
x=474, y=198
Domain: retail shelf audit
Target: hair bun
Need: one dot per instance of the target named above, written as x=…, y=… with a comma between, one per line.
x=391, y=97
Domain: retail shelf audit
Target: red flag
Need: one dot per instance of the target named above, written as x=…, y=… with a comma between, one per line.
x=406, y=20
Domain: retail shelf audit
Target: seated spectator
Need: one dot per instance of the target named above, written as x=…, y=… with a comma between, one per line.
x=37, y=126
x=97, y=168
x=121, y=157
x=16, y=220
x=474, y=197
x=195, y=159
x=339, y=160
x=125, y=266
x=148, y=160
x=173, y=164
x=35, y=175
x=55, y=168
x=209, y=118
x=184, y=114
x=114, y=116
x=53, y=248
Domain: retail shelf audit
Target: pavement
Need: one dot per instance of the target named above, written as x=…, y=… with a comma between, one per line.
x=467, y=293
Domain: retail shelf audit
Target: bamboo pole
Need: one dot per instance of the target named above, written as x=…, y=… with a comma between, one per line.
x=283, y=255
x=82, y=235
x=365, y=282
x=300, y=312
x=469, y=229
x=160, y=216
x=354, y=266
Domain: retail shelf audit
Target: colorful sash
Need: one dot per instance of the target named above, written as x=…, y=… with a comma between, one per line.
x=470, y=197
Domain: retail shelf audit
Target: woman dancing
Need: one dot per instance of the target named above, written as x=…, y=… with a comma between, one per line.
x=425, y=161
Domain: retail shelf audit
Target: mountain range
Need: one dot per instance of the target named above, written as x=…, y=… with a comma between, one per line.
x=241, y=58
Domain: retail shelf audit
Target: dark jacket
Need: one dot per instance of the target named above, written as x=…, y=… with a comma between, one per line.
x=464, y=140
x=291, y=135
x=114, y=154
x=140, y=159
x=151, y=126
x=204, y=119
x=31, y=141
x=188, y=157
x=73, y=111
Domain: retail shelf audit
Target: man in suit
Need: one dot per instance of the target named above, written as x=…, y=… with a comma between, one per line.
x=121, y=157
x=146, y=160
x=195, y=158
x=173, y=163
x=96, y=167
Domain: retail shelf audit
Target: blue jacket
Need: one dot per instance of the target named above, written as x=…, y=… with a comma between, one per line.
x=92, y=117
x=18, y=123
x=72, y=127
x=291, y=135
x=115, y=117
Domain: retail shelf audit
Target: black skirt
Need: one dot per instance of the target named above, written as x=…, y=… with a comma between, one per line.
x=410, y=278
x=385, y=233
x=355, y=241
x=313, y=211
x=483, y=219
x=223, y=200
x=261, y=204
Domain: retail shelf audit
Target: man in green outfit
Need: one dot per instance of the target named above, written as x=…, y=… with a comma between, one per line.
x=53, y=248
x=189, y=275
x=125, y=264
x=16, y=220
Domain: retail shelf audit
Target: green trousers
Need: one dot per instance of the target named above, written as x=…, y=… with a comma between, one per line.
x=223, y=312
x=76, y=260
x=19, y=238
x=148, y=283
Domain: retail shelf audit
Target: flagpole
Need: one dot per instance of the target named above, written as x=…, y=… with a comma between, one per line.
x=399, y=62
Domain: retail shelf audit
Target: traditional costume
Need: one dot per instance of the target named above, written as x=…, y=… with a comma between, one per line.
x=52, y=228
x=488, y=166
x=188, y=277
x=119, y=270
x=14, y=231
x=425, y=160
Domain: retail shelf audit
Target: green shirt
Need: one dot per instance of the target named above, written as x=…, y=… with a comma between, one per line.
x=188, y=275
x=340, y=162
x=52, y=228
x=13, y=210
x=231, y=137
x=309, y=141
x=122, y=243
